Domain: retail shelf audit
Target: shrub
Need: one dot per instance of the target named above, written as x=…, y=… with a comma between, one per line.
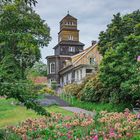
x=47, y=90
x=72, y=89
x=4, y=135
x=54, y=85
x=38, y=87
x=94, y=91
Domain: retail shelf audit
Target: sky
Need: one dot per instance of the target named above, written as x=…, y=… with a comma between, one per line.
x=93, y=17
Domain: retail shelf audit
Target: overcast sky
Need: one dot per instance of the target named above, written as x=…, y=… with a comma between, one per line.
x=92, y=15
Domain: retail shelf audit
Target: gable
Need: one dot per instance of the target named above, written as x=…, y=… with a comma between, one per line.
x=92, y=52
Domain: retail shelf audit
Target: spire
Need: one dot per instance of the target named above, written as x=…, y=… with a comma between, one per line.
x=68, y=12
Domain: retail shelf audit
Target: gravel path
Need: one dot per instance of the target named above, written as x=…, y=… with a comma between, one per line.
x=79, y=110
x=52, y=100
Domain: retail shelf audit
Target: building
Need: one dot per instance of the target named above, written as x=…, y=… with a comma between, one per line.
x=68, y=45
x=80, y=65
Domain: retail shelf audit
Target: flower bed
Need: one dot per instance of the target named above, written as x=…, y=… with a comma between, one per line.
x=106, y=126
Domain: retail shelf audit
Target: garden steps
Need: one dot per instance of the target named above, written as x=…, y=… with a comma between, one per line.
x=79, y=110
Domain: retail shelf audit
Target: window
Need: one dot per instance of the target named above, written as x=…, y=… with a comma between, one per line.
x=77, y=75
x=70, y=37
x=52, y=67
x=71, y=49
x=88, y=70
x=61, y=49
x=92, y=60
x=81, y=73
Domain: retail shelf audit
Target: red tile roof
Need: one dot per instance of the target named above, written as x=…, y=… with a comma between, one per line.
x=39, y=80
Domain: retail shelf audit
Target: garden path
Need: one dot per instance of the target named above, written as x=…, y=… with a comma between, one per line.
x=51, y=99
x=79, y=110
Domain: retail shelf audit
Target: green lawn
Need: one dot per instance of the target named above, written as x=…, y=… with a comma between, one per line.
x=12, y=114
x=92, y=106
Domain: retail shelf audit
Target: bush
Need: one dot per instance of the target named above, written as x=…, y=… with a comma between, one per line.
x=8, y=136
x=54, y=85
x=72, y=89
x=47, y=90
x=93, y=91
x=38, y=87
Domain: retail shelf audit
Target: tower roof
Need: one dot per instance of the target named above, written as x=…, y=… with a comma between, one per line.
x=68, y=16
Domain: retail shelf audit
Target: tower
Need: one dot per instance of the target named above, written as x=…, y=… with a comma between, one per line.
x=68, y=37
x=68, y=45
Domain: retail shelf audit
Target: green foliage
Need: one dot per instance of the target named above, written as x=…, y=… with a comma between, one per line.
x=22, y=91
x=119, y=70
x=46, y=90
x=119, y=74
x=72, y=89
x=30, y=2
x=8, y=136
x=54, y=85
x=98, y=106
x=118, y=29
x=22, y=33
x=38, y=69
x=12, y=87
x=9, y=69
x=94, y=91
x=25, y=39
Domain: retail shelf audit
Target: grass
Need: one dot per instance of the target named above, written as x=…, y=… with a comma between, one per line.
x=97, y=106
x=13, y=114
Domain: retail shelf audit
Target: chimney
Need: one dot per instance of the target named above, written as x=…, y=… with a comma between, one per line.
x=93, y=42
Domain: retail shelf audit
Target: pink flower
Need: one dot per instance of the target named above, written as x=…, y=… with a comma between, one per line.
x=138, y=58
x=95, y=137
x=138, y=116
x=112, y=133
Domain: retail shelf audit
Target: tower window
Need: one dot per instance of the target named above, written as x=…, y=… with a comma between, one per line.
x=70, y=37
x=71, y=49
x=52, y=67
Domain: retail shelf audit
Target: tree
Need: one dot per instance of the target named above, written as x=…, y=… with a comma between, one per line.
x=119, y=70
x=30, y=2
x=38, y=69
x=12, y=86
x=22, y=34
x=117, y=30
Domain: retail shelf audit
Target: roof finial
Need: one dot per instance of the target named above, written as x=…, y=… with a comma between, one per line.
x=68, y=12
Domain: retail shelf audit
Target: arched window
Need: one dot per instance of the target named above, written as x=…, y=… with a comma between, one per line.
x=52, y=67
